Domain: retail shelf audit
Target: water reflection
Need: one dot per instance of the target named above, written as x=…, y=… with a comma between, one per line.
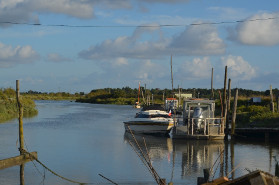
x=88, y=139
x=197, y=154
x=191, y=155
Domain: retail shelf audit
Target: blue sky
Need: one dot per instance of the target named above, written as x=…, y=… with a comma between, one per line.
x=129, y=46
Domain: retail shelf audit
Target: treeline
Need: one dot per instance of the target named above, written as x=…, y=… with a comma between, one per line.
x=34, y=95
x=8, y=105
x=128, y=96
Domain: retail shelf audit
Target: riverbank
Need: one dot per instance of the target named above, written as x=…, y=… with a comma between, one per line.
x=8, y=106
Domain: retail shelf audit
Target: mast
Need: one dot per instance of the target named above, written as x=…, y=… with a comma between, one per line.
x=139, y=94
x=171, y=76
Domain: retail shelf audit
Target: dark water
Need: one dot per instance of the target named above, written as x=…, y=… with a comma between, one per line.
x=80, y=141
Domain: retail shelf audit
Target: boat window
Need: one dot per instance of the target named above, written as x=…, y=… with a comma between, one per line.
x=142, y=116
x=160, y=116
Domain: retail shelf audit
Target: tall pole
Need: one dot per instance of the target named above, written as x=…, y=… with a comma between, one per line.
x=212, y=92
x=20, y=109
x=234, y=113
x=271, y=100
x=225, y=102
x=224, y=92
x=228, y=109
x=139, y=94
x=229, y=95
x=179, y=96
x=171, y=76
x=21, y=137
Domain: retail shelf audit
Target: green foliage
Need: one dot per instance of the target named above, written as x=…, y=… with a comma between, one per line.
x=52, y=96
x=9, y=108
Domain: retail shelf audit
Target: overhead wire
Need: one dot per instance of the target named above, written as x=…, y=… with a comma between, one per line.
x=138, y=26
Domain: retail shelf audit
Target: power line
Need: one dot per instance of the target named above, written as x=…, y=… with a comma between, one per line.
x=138, y=26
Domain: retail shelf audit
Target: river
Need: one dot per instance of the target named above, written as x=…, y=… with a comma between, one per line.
x=80, y=141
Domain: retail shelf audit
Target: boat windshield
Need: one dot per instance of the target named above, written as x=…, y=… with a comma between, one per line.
x=152, y=116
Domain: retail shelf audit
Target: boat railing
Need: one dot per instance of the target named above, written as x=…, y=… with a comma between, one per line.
x=209, y=126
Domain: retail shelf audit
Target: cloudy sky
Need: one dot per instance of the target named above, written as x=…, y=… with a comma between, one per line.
x=80, y=45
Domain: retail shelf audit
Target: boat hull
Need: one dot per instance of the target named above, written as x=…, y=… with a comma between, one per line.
x=148, y=127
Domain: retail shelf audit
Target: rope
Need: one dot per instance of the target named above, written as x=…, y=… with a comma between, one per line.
x=51, y=171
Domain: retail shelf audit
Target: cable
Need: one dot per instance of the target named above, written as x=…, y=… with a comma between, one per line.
x=138, y=26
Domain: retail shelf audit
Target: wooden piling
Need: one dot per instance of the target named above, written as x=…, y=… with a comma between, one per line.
x=212, y=92
x=20, y=116
x=271, y=100
x=234, y=113
x=229, y=96
x=277, y=169
x=225, y=103
x=224, y=93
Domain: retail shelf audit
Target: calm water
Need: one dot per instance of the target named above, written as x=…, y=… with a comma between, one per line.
x=80, y=141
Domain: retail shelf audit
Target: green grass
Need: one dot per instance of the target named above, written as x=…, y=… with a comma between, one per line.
x=9, y=108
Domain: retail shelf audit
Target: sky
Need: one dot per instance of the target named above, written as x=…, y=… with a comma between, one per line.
x=81, y=45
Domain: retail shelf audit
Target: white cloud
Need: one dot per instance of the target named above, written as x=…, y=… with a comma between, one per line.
x=198, y=40
x=195, y=40
x=55, y=57
x=129, y=46
x=10, y=56
x=261, y=32
x=199, y=68
x=28, y=10
x=238, y=68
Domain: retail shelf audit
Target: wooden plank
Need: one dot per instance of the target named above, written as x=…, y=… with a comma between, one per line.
x=18, y=160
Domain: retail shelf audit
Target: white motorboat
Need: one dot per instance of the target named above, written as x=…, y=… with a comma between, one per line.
x=150, y=121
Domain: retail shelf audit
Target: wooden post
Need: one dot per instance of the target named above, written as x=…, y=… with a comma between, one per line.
x=17, y=160
x=234, y=113
x=212, y=92
x=277, y=100
x=21, y=173
x=221, y=103
x=224, y=93
x=20, y=109
x=232, y=158
x=227, y=115
x=179, y=97
x=271, y=100
x=229, y=95
x=277, y=169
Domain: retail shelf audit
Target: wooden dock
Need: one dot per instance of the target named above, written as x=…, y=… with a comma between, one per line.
x=264, y=134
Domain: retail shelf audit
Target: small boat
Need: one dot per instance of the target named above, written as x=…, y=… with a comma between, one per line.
x=150, y=120
x=199, y=121
x=257, y=177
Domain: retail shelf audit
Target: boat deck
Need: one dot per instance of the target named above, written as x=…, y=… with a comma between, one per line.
x=180, y=132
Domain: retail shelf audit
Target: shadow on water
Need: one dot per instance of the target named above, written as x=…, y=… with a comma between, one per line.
x=192, y=156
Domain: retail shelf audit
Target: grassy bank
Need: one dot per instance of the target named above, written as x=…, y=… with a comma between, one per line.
x=256, y=114
x=8, y=105
x=51, y=96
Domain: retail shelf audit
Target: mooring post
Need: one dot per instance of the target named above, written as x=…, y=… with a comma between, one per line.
x=212, y=92
x=20, y=116
x=271, y=100
x=225, y=102
x=234, y=113
x=277, y=169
